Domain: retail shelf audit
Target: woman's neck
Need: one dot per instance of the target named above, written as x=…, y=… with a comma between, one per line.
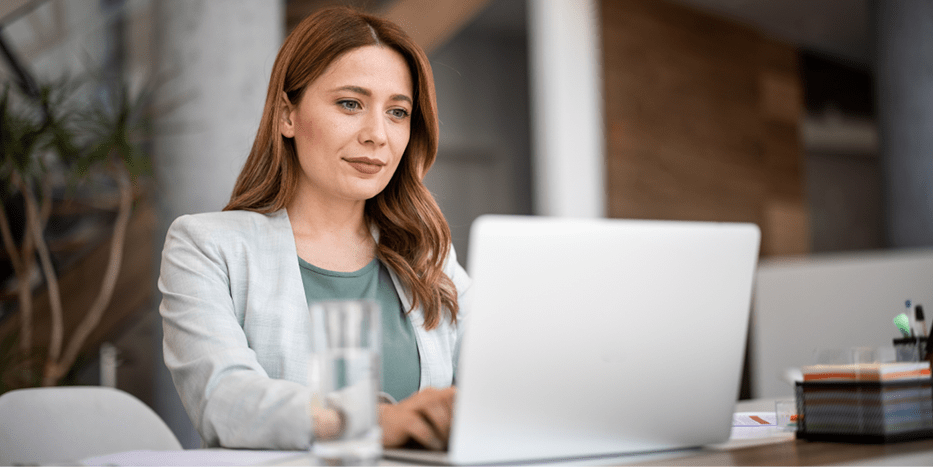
x=331, y=235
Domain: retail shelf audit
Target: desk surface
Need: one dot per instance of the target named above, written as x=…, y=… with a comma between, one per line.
x=800, y=452
x=792, y=452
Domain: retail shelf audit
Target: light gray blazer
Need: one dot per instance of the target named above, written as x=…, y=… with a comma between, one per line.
x=235, y=322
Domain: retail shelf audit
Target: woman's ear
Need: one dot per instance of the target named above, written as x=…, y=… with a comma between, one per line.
x=286, y=126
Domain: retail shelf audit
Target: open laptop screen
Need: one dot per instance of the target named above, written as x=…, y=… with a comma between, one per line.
x=594, y=336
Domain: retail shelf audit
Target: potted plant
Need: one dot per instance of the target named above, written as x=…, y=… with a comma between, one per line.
x=51, y=136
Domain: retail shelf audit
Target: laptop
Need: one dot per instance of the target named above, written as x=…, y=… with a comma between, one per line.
x=598, y=337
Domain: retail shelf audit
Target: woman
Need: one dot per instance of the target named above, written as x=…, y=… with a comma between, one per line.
x=330, y=204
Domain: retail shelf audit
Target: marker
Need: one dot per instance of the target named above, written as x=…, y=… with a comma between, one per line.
x=919, y=318
x=929, y=347
x=903, y=323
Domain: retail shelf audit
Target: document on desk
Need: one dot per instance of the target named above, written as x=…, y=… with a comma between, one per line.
x=754, y=429
x=231, y=457
x=754, y=419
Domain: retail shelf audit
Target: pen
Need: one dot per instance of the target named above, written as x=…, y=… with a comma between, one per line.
x=910, y=325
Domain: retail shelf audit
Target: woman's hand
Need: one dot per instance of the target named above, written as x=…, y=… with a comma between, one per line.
x=424, y=417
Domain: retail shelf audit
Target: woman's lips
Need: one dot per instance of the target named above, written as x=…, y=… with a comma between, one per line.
x=365, y=165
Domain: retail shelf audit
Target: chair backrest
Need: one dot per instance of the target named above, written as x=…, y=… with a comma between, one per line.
x=67, y=424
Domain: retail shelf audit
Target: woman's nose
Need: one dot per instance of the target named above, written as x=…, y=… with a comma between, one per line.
x=374, y=129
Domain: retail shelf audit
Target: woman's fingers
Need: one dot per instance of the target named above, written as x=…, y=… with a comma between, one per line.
x=403, y=424
x=425, y=417
x=438, y=411
x=425, y=434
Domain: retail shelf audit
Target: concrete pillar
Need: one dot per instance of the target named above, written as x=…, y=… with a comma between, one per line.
x=217, y=57
x=904, y=92
x=568, y=135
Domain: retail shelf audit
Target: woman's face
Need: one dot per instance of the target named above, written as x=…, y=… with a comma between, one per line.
x=352, y=125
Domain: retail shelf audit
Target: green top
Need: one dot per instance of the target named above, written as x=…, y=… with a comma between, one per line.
x=401, y=369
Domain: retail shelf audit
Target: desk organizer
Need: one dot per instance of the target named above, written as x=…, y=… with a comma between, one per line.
x=910, y=349
x=865, y=411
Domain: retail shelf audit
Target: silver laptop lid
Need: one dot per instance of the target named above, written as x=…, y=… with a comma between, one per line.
x=594, y=336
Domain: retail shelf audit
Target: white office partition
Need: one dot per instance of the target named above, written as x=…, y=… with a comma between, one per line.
x=828, y=302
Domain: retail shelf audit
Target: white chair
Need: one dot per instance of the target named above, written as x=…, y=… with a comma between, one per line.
x=67, y=424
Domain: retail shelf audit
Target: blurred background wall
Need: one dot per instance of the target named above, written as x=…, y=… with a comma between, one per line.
x=809, y=118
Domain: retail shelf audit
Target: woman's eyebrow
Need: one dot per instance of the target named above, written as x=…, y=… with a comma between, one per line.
x=368, y=93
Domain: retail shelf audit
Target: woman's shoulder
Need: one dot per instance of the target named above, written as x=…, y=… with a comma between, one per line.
x=238, y=219
x=227, y=224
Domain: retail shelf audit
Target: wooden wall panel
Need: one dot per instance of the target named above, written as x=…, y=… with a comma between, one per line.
x=701, y=120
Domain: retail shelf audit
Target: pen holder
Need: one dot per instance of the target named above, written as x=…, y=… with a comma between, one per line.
x=911, y=349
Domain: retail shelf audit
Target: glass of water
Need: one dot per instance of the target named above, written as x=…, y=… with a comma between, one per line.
x=344, y=377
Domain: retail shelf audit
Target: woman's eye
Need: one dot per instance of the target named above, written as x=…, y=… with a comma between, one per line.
x=349, y=105
x=399, y=113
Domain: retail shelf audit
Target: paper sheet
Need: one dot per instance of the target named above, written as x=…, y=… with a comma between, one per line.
x=755, y=419
x=754, y=429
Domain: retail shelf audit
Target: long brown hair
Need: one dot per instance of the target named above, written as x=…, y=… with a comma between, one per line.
x=414, y=238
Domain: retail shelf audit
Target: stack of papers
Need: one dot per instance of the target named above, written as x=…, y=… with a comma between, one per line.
x=876, y=402
x=899, y=371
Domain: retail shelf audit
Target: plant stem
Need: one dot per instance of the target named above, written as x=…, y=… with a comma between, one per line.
x=22, y=266
x=8, y=243
x=34, y=229
x=94, y=314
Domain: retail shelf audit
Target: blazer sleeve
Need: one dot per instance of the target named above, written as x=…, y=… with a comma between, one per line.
x=228, y=395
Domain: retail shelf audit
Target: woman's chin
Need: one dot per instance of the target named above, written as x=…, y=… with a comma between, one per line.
x=364, y=192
